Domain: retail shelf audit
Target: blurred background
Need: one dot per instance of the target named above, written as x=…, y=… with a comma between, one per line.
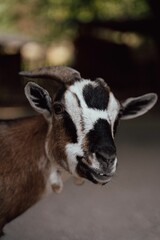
x=118, y=40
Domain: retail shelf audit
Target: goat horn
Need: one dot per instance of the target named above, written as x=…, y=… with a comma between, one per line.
x=58, y=73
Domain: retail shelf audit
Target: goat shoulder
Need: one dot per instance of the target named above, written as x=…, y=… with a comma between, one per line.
x=24, y=167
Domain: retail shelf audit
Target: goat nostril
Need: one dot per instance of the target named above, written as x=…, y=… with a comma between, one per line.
x=106, y=157
x=101, y=156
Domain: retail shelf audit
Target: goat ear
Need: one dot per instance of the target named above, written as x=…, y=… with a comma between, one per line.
x=135, y=107
x=39, y=99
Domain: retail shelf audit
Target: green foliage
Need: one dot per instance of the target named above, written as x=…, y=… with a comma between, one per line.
x=54, y=18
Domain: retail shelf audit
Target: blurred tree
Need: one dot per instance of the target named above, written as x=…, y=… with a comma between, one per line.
x=54, y=18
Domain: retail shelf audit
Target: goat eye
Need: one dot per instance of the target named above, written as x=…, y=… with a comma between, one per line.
x=58, y=108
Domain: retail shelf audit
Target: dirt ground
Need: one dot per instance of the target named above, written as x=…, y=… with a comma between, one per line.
x=128, y=208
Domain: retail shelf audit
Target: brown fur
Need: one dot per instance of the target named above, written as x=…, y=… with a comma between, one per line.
x=24, y=167
x=57, y=142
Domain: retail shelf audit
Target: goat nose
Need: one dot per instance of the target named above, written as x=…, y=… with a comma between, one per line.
x=104, y=156
x=108, y=152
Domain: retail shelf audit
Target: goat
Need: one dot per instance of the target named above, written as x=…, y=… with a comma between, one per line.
x=73, y=134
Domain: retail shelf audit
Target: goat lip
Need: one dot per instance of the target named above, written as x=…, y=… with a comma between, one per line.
x=100, y=177
x=94, y=175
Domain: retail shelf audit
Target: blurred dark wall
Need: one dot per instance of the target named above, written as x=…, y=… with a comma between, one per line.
x=128, y=71
x=123, y=68
x=10, y=83
x=10, y=65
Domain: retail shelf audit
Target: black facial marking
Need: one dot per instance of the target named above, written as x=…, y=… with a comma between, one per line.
x=100, y=138
x=116, y=123
x=96, y=97
x=40, y=98
x=60, y=94
x=84, y=171
x=70, y=127
x=78, y=101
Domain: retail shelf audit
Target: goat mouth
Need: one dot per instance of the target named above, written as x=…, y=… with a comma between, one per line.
x=101, y=177
x=94, y=175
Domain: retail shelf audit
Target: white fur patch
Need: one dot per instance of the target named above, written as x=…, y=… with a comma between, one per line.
x=113, y=168
x=91, y=116
x=113, y=109
x=57, y=176
x=73, y=150
x=94, y=163
x=56, y=181
x=74, y=111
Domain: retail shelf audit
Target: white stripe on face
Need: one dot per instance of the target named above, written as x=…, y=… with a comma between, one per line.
x=113, y=109
x=113, y=169
x=73, y=150
x=74, y=111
